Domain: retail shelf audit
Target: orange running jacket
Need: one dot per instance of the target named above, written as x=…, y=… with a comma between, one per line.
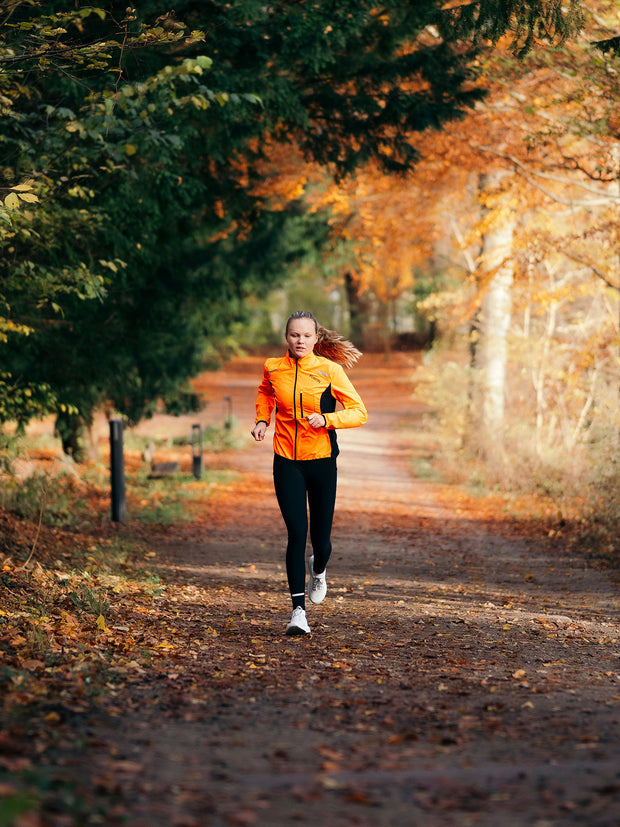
x=298, y=387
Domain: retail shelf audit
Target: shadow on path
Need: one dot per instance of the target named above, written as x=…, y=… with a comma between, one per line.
x=459, y=672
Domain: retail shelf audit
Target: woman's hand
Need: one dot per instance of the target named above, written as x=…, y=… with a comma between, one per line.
x=258, y=431
x=317, y=420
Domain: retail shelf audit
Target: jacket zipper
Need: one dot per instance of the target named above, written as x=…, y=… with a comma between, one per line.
x=295, y=408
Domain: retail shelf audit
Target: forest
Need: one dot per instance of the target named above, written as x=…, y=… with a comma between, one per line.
x=444, y=177
x=174, y=182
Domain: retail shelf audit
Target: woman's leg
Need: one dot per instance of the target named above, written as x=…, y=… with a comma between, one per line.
x=290, y=487
x=321, y=478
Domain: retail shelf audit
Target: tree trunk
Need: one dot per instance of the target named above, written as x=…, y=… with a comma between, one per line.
x=496, y=308
x=75, y=435
x=538, y=377
x=357, y=310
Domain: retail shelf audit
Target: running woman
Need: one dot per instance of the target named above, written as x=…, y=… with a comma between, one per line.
x=303, y=387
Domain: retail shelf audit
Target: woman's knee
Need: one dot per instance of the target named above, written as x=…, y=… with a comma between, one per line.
x=297, y=535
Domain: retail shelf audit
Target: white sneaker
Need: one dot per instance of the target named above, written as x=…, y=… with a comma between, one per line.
x=317, y=585
x=298, y=624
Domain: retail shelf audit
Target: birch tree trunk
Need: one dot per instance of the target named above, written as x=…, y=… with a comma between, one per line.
x=497, y=270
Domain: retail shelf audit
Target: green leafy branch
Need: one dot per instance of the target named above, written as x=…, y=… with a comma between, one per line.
x=18, y=194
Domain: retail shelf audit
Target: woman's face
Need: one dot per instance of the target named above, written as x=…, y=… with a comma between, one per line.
x=301, y=337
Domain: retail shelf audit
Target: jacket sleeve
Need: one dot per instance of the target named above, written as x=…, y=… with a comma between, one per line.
x=265, y=400
x=354, y=412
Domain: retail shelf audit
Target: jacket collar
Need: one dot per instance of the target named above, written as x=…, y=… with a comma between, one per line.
x=305, y=362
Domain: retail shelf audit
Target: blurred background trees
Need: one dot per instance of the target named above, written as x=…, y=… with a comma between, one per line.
x=502, y=246
x=445, y=174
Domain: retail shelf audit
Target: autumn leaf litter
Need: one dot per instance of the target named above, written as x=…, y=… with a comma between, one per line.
x=464, y=668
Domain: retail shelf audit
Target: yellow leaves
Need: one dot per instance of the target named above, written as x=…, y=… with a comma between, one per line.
x=24, y=187
x=165, y=645
x=114, y=266
x=200, y=102
x=11, y=202
x=20, y=193
x=9, y=326
x=68, y=619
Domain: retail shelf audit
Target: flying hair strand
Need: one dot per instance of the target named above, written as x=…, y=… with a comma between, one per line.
x=330, y=345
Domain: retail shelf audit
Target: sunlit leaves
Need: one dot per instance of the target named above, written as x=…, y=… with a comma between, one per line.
x=18, y=194
x=69, y=153
x=21, y=400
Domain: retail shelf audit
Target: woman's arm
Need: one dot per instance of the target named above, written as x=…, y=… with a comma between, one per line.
x=265, y=403
x=354, y=412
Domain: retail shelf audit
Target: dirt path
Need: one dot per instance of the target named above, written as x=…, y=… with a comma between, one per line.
x=459, y=672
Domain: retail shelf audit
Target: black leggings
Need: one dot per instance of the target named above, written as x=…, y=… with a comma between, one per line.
x=293, y=481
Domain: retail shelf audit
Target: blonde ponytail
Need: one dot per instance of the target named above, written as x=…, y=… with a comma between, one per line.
x=332, y=345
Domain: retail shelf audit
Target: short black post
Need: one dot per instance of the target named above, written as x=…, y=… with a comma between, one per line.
x=227, y=413
x=197, y=451
x=117, y=471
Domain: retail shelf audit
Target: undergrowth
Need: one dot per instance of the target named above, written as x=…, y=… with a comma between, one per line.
x=576, y=487
x=61, y=644
x=80, y=596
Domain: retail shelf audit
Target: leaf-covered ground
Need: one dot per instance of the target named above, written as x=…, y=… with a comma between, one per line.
x=463, y=670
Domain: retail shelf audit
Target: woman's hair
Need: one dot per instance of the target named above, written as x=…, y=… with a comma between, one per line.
x=330, y=345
